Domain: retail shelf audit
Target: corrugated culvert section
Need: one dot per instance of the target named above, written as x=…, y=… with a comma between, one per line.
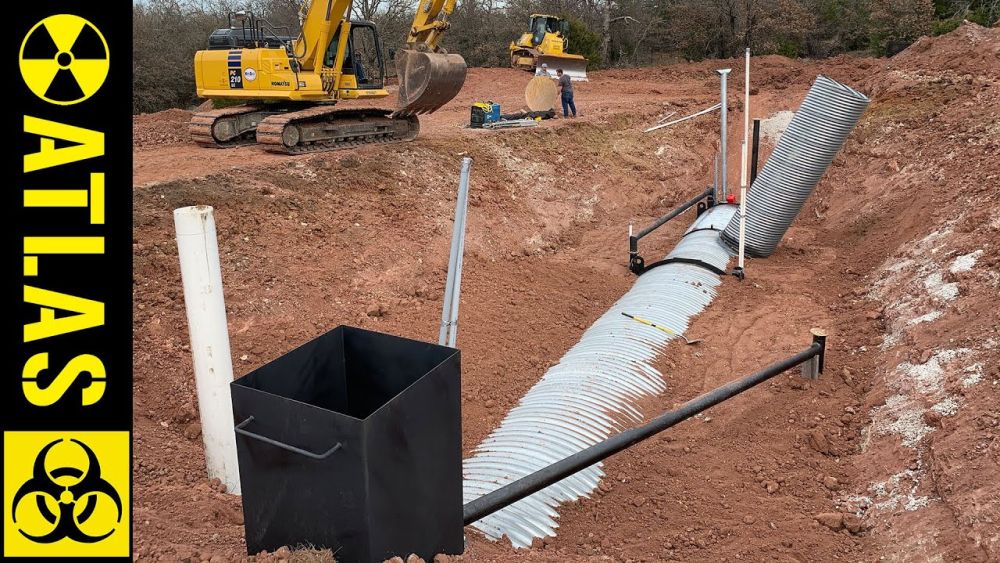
x=592, y=392
x=804, y=152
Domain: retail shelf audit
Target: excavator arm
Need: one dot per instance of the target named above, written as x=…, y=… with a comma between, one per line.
x=429, y=77
x=319, y=21
x=430, y=21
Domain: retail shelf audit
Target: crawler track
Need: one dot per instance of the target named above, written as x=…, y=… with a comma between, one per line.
x=324, y=128
x=226, y=127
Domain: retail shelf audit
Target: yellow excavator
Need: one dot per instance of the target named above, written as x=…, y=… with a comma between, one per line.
x=290, y=86
x=546, y=43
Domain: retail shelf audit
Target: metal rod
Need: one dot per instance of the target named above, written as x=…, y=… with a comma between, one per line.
x=743, y=216
x=525, y=486
x=693, y=115
x=666, y=117
x=754, y=151
x=241, y=430
x=449, y=312
x=743, y=165
x=724, y=116
x=677, y=211
x=715, y=177
x=746, y=119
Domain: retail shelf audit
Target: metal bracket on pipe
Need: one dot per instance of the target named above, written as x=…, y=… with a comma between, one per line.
x=636, y=263
x=683, y=260
x=813, y=367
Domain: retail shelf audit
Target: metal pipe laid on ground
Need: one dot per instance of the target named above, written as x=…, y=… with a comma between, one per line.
x=685, y=118
x=448, y=332
x=815, y=135
x=530, y=484
x=201, y=275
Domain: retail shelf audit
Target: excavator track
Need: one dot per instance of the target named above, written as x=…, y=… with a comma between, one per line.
x=324, y=128
x=226, y=127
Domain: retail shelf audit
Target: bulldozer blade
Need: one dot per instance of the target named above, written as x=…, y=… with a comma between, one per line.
x=573, y=65
x=427, y=81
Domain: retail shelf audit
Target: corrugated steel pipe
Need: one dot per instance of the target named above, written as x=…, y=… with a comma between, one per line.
x=594, y=390
x=504, y=496
x=804, y=152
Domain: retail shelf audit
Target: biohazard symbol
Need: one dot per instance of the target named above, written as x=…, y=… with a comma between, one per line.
x=64, y=59
x=89, y=485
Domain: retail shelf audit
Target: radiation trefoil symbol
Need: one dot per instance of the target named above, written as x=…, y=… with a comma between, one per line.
x=88, y=488
x=64, y=59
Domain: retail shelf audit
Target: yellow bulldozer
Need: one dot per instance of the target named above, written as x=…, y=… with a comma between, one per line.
x=290, y=86
x=546, y=43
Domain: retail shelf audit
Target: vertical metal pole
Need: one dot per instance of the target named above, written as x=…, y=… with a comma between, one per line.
x=449, y=310
x=754, y=152
x=743, y=163
x=457, y=293
x=724, y=74
x=743, y=216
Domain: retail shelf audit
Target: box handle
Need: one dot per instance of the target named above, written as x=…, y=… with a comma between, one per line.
x=312, y=455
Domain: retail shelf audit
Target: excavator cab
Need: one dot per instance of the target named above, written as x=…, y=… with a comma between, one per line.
x=363, y=57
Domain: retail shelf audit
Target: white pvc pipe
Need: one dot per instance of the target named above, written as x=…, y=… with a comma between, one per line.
x=201, y=275
x=746, y=114
x=724, y=118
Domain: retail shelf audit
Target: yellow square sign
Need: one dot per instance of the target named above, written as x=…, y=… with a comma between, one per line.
x=66, y=494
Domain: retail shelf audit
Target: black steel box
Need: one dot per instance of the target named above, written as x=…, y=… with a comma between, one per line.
x=352, y=442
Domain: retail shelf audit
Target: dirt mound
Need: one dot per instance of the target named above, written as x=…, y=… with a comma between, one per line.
x=161, y=128
x=969, y=49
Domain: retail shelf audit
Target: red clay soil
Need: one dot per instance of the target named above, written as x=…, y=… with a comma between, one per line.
x=893, y=454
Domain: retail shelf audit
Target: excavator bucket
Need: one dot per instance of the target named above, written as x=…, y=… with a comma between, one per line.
x=427, y=81
x=573, y=65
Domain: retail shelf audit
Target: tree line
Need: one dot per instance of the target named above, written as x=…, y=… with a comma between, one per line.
x=611, y=33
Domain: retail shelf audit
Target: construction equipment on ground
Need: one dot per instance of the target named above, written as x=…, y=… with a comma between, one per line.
x=289, y=88
x=546, y=43
x=484, y=113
